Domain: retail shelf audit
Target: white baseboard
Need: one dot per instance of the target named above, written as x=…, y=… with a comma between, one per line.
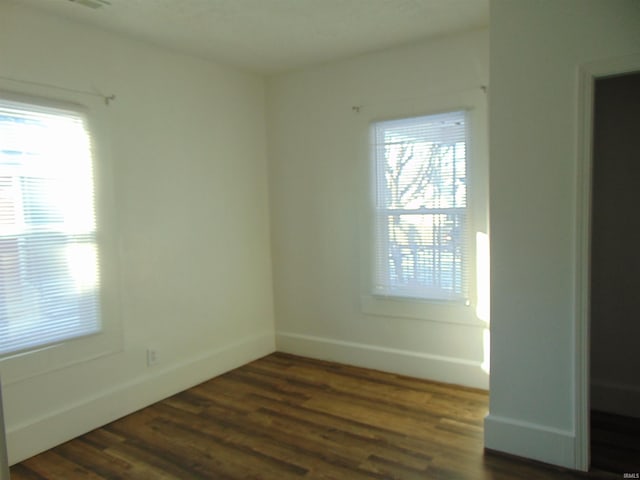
x=44, y=433
x=529, y=440
x=415, y=364
x=615, y=398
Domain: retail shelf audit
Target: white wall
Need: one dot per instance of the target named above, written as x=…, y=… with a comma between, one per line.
x=536, y=49
x=318, y=159
x=187, y=153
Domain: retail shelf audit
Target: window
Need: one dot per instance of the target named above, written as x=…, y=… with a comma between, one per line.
x=49, y=288
x=421, y=215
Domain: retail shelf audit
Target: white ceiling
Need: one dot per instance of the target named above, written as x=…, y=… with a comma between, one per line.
x=270, y=36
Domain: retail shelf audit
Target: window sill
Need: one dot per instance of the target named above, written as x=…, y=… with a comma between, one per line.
x=40, y=361
x=429, y=310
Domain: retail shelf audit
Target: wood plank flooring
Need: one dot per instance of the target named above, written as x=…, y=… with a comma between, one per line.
x=615, y=442
x=285, y=417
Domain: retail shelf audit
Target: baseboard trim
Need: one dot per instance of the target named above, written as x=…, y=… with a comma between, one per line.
x=416, y=364
x=617, y=398
x=58, y=427
x=529, y=440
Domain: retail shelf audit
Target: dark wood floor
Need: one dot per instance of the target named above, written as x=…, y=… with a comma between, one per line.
x=285, y=417
x=615, y=443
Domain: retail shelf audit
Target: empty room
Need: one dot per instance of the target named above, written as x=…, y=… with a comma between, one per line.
x=302, y=238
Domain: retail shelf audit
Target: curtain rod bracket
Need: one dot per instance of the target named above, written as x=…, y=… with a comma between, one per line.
x=107, y=98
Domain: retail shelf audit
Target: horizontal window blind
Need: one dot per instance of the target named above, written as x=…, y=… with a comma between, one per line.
x=49, y=277
x=421, y=216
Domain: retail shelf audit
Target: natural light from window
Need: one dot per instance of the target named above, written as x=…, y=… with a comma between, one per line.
x=49, y=275
x=421, y=217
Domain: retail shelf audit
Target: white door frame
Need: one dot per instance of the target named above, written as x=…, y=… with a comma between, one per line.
x=588, y=74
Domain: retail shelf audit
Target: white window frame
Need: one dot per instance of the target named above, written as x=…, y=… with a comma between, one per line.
x=39, y=360
x=475, y=310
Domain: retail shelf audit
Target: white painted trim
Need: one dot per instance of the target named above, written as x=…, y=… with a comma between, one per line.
x=474, y=101
x=24, y=365
x=615, y=398
x=530, y=440
x=432, y=311
x=57, y=427
x=416, y=364
x=587, y=74
x=583, y=271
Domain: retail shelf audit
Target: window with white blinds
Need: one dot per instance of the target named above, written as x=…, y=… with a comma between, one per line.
x=49, y=282
x=421, y=212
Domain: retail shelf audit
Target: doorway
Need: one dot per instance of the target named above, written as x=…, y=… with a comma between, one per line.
x=615, y=275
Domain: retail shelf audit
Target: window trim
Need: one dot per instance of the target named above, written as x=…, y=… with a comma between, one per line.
x=472, y=101
x=109, y=340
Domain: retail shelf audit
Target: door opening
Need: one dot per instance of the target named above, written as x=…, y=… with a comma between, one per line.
x=615, y=275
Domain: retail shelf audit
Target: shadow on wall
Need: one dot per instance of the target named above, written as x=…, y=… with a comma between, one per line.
x=4, y=462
